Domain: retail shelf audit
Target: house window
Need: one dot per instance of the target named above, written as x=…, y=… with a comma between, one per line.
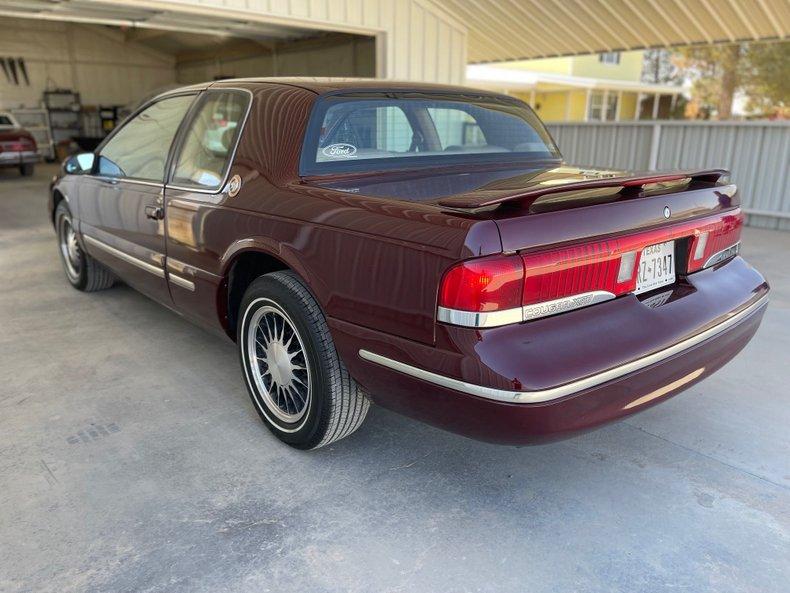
x=596, y=107
x=601, y=110
x=609, y=57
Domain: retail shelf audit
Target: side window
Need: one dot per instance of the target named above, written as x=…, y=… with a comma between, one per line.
x=139, y=149
x=205, y=154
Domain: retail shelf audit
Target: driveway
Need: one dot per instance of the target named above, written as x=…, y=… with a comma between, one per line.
x=131, y=459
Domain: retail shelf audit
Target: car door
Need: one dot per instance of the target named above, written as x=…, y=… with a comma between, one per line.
x=121, y=205
x=201, y=168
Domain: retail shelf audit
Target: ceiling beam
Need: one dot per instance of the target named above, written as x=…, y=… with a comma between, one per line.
x=138, y=34
x=681, y=4
x=714, y=13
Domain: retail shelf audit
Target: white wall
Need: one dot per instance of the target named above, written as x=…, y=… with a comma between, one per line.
x=93, y=60
x=417, y=40
x=353, y=57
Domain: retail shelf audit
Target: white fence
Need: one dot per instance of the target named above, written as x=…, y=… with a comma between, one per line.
x=756, y=152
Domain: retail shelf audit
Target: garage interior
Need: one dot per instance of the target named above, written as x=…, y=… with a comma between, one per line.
x=71, y=79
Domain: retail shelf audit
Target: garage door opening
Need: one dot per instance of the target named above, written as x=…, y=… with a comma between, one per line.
x=78, y=80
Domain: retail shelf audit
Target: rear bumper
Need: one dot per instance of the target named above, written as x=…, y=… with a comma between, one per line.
x=15, y=159
x=510, y=397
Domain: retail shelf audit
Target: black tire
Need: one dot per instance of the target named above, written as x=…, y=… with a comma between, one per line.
x=82, y=271
x=335, y=405
x=27, y=169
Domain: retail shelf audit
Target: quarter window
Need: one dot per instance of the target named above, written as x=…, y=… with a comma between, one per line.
x=205, y=154
x=139, y=149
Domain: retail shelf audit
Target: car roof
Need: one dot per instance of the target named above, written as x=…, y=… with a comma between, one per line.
x=323, y=85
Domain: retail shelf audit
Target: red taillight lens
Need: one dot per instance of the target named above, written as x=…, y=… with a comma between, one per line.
x=575, y=270
x=482, y=285
x=713, y=238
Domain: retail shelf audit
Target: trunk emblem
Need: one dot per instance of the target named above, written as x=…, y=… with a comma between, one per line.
x=667, y=212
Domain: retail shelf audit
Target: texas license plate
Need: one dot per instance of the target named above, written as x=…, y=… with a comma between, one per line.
x=656, y=267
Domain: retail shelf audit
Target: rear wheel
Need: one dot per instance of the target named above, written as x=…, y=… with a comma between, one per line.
x=82, y=271
x=27, y=169
x=300, y=388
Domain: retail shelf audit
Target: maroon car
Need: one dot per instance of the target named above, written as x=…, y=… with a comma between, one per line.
x=424, y=247
x=17, y=146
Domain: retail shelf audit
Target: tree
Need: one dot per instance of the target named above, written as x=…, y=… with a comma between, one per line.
x=767, y=78
x=761, y=71
x=658, y=67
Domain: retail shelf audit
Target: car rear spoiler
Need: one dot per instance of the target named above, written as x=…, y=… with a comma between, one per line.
x=635, y=181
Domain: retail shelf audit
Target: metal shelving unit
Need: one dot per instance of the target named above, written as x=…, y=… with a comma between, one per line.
x=65, y=114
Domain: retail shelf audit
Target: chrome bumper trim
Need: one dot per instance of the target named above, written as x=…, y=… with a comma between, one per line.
x=532, y=397
x=720, y=256
x=483, y=319
x=525, y=313
x=129, y=259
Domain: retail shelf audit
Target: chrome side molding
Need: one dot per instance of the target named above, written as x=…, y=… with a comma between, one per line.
x=182, y=282
x=129, y=259
x=544, y=395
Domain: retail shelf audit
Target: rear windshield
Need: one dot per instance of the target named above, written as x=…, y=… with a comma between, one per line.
x=358, y=133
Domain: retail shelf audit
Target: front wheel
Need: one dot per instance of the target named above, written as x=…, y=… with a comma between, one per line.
x=82, y=271
x=300, y=388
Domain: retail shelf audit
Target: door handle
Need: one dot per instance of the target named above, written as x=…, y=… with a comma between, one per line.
x=155, y=212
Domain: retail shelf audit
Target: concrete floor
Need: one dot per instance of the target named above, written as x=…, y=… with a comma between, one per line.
x=131, y=459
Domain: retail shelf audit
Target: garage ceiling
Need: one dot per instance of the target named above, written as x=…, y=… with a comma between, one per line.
x=502, y=30
x=145, y=23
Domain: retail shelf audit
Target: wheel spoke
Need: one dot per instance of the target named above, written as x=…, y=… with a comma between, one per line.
x=279, y=366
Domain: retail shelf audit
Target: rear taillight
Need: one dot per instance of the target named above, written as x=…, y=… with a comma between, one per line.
x=493, y=291
x=715, y=242
x=483, y=285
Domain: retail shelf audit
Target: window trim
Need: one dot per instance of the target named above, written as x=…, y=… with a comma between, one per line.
x=137, y=180
x=178, y=142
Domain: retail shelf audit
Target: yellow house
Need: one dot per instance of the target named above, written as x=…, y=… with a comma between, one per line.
x=599, y=87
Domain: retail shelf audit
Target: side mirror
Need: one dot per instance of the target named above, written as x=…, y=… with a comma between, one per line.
x=79, y=164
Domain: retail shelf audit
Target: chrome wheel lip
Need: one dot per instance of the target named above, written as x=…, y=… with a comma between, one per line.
x=288, y=403
x=70, y=251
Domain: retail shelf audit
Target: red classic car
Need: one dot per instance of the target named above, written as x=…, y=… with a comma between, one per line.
x=17, y=146
x=424, y=247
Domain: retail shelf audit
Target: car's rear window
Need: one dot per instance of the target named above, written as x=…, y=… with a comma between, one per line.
x=6, y=121
x=358, y=133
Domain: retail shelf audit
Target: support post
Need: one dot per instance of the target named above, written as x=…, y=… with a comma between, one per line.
x=619, y=107
x=655, y=143
x=638, y=105
x=587, y=100
x=655, y=105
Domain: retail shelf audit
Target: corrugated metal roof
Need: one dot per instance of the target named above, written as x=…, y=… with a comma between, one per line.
x=502, y=30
